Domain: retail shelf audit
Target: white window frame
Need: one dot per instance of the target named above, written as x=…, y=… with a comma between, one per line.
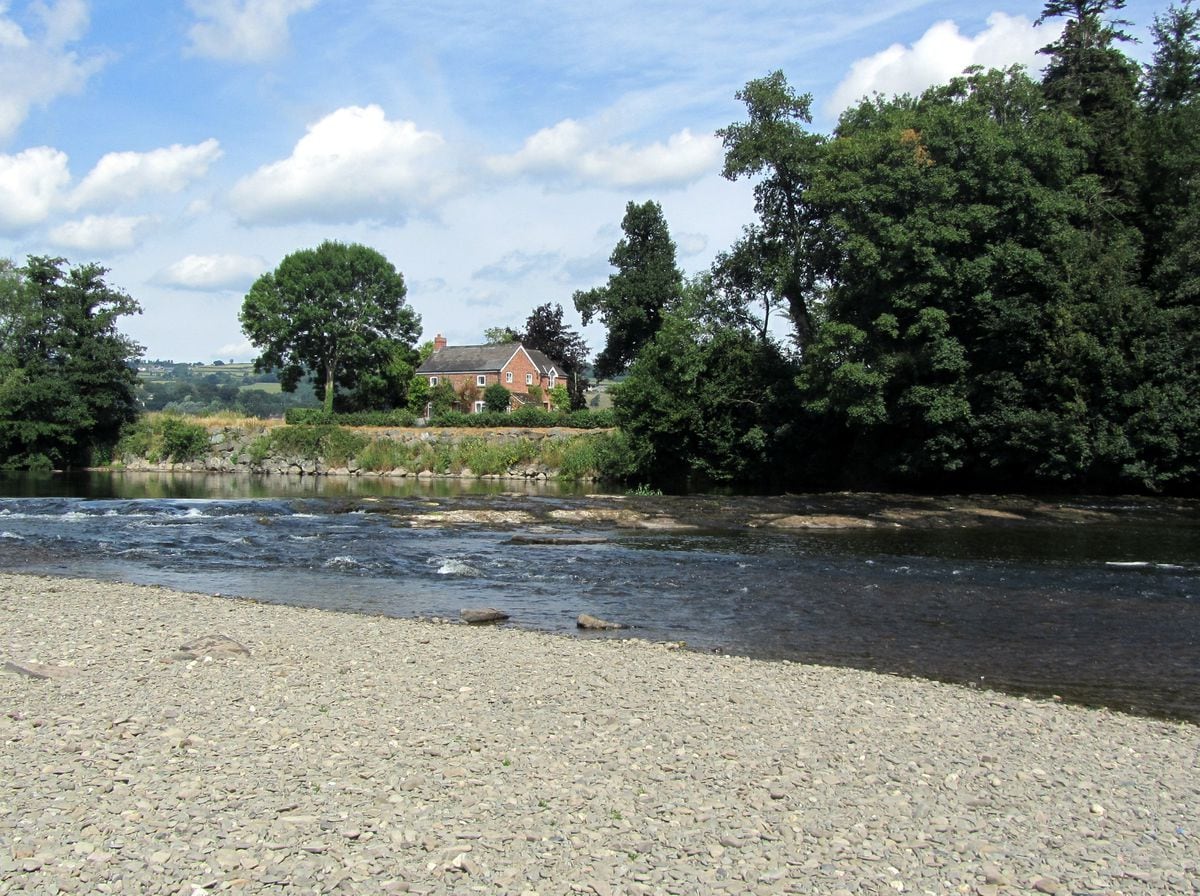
x=481, y=379
x=433, y=381
x=480, y=407
x=552, y=381
x=508, y=376
x=529, y=379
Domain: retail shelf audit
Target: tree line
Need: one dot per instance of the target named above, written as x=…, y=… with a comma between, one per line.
x=990, y=285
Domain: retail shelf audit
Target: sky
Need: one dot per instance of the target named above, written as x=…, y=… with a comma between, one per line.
x=487, y=150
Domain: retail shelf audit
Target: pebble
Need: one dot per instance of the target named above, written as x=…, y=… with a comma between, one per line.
x=341, y=753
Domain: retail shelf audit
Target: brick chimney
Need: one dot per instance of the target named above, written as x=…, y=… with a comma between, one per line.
x=439, y=342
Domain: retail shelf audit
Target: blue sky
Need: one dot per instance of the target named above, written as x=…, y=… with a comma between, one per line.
x=488, y=150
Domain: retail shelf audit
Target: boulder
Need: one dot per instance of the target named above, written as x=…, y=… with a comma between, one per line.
x=478, y=615
x=592, y=623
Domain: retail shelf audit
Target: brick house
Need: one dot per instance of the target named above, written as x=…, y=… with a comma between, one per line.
x=470, y=369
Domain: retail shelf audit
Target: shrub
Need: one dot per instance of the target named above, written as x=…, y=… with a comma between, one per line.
x=497, y=398
x=321, y=417
x=181, y=441
x=334, y=445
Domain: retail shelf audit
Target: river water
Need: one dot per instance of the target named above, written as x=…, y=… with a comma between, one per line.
x=1093, y=600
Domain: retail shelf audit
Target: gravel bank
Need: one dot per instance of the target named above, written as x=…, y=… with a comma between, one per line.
x=354, y=754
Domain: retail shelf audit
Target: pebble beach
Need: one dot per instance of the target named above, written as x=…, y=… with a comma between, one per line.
x=159, y=742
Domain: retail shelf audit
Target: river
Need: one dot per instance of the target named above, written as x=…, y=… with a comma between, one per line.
x=1094, y=600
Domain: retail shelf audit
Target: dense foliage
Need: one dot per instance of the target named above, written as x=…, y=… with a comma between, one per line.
x=991, y=285
x=66, y=373
x=339, y=312
x=646, y=285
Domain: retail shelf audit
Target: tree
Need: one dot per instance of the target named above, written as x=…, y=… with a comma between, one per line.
x=1094, y=82
x=496, y=398
x=774, y=146
x=337, y=311
x=983, y=315
x=500, y=335
x=546, y=332
x=67, y=381
x=708, y=403
x=646, y=285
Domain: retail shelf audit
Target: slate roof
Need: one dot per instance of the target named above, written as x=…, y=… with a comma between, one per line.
x=480, y=358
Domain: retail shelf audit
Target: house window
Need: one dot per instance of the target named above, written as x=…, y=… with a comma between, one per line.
x=551, y=381
x=508, y=376
x=529, y=379
x=479, y=406
x=481, y=380
x=433, y=381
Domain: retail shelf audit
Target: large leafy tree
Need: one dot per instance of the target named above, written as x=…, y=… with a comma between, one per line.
x=546, y=332
x=67, y=379
x=646, y=285
x=983, y=317
x=785, y=249
x=336, y=311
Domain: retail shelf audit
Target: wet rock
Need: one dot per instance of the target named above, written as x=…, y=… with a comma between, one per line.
x=480, y=615
x=557, y=540
x=594, y=623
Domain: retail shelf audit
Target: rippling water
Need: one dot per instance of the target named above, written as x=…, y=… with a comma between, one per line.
x=1095, y=601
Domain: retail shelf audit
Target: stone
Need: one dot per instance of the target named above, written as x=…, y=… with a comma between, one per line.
x=39, y=670
x=480, y=615
x=211, y=645
x=594, y=623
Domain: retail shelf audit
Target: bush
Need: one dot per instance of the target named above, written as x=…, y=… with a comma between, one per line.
x=527, y=417
x=321, y=417
x=334, y=445
x=182, y=441
x=497, y=398
x=165, y=438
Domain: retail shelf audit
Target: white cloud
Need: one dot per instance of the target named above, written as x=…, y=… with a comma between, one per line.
x=243, y=30
x=212, y=272
x=31, y=185
x=354, y=164
x=940, y=54
x=122, y=176
x=100, y=233
x=569, y=150
x=243, y=349
x=36, y=69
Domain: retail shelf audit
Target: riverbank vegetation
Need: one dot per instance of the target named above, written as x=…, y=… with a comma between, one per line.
x=164, y=441
x=989, y=286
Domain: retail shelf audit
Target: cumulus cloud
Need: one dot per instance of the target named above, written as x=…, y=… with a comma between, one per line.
x=100, y=233
x=570, y=151
x=212, y=272
x=354, y=164
x=243, y=349
x=37, y=67
x=123, y=176
x=942, y=53
x=242, y=30
x=31, y=186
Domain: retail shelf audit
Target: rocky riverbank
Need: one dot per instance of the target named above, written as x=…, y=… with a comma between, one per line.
x=357, y=754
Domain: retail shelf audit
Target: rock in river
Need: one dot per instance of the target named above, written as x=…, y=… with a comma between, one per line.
x=592, y=623
x=478, y=615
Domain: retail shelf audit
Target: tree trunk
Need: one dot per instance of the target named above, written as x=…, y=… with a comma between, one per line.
x=329, y=388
